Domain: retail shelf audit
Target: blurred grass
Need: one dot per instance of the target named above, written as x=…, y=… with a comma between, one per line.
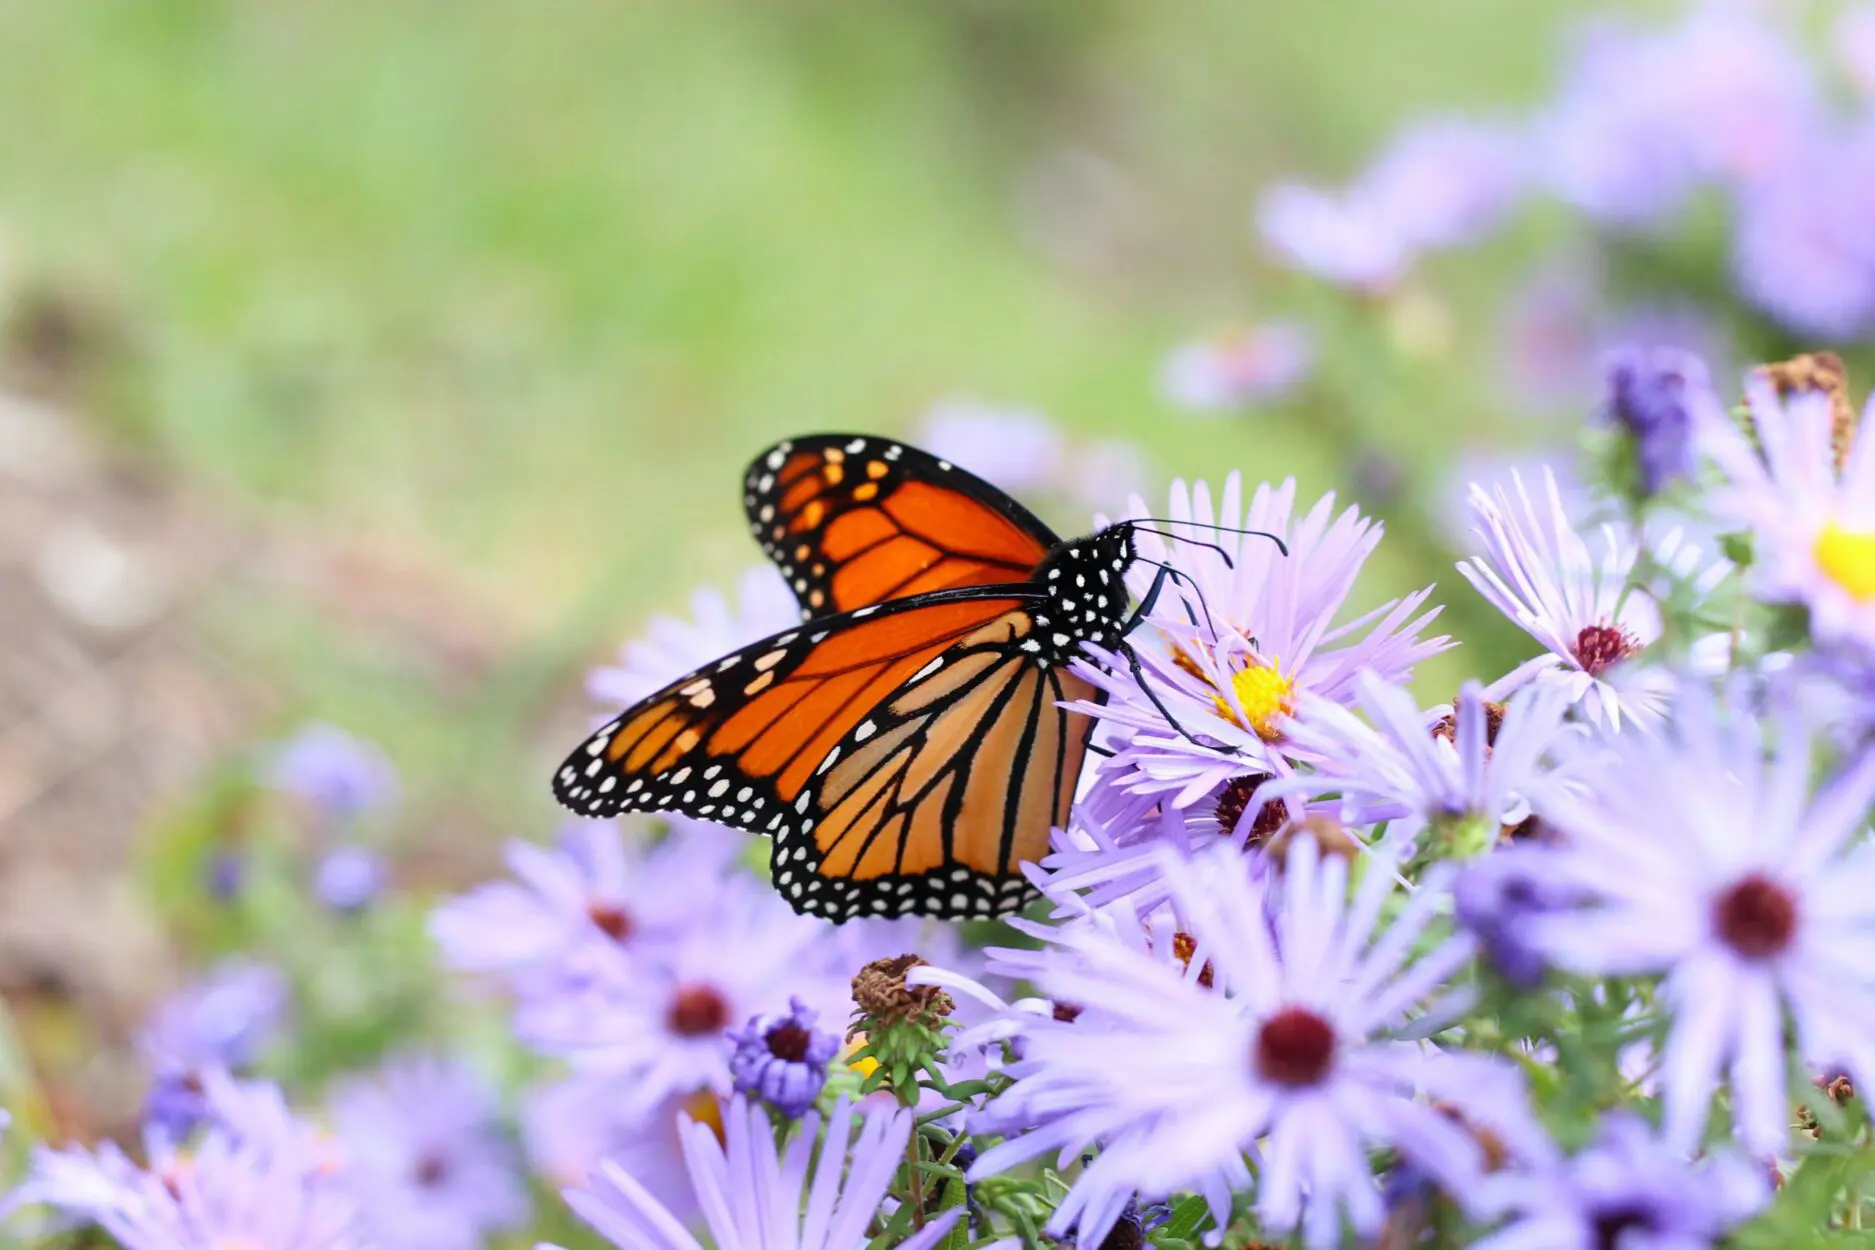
x=522, y=287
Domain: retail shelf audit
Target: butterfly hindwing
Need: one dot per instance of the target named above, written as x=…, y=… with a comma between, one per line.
x=737, y=740
x=931, y=804
x=853, y=520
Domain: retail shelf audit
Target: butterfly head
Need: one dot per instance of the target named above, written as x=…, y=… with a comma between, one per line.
x=1085, y=581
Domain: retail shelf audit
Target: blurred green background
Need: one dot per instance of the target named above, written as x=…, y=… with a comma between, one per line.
x=505, y=295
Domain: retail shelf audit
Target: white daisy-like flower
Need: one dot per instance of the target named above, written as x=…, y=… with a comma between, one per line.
x=1537, y=570
x=1810, y=508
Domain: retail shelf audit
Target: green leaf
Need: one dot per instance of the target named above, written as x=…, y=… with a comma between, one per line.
x=1188, y=1217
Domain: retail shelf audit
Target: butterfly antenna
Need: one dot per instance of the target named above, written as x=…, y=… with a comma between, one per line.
x=1206, y=525
x=1182, y=538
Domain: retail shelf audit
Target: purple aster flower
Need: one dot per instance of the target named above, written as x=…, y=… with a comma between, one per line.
x=1538, y=571
x=571, y=1126
x=1812, y=523
x=661, y=1026
x=262, y=1180
x=1493, y=469
x=1446, y=181
x=1258, y=364
x=782, y=1059
x=424, y=1158
x=1625, y=1189
x=596, y=889
x=222, y=1020
x=1013, y=448
x=1661, y=399
x=349, y=878
x=1102, y=471
x=757, y=1196
x=1347, y=240
x=1704, y=856
x=671, y=647
x=1267, y=632
x=1294, y=1049
x=339, y=775
x=1802, y=251
x=1466, y=772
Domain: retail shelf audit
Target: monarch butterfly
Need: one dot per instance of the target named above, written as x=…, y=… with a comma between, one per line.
x=907, y=746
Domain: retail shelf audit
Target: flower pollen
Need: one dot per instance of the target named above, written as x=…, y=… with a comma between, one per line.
x=698, y=1011
x=1600, y=647
x=1263, y=698
x=1847, y=557
x=1235, y=799
x=1295, y=1047
x=1756, y=917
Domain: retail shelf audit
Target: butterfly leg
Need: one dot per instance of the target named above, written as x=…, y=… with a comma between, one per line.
x=1139, y=675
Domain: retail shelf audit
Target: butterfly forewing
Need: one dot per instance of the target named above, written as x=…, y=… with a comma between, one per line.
x=738, y=740
x=854, y=520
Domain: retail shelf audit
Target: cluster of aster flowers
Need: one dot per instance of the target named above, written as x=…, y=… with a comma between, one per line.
x=1571, y=956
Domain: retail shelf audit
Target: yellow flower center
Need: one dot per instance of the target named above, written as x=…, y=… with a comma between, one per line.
x=1264, y=695
x=1847, y=557
x=704, y=1107
x=865, y=1065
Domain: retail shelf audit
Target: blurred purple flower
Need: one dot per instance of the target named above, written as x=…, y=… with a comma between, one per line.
x=670, y=647
x=1662, y=399
x=1013, y=448
x=1099, y=473
x=595, y=889
x=1642, y=119
x=349, y=878
x=571, y=1126
x=1446, y=181
x=1153, y=1069
x=1803, y=250
x=227, y=873
x=1257, y=364
x=754, y=1194
x=1346, y=239
x=339, y=775
x=781, y=1059
x=424, y=1158
x=222, y=1020
x=1625, y=1188
x=1703, y=853
x=259, y=1178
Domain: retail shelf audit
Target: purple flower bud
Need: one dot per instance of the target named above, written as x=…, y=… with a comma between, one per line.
x=1655, y=395
x=177, y=1104
x=227, y=873
x=342, y=776
x=1494, y=898
x=782, y=1059
x=349, y=879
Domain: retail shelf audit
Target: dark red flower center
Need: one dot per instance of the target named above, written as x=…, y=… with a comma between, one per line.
x=788, y=1042
x=610, y=919
x=1295, y=1047
x=432, y=1169
x=1236, y=798
x=697, y=1011
x=1757, y=917
x=1066, y=1013
x=1599, y=647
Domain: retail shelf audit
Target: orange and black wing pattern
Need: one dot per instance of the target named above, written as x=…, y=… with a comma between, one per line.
x=906, y=757
x=854, y=520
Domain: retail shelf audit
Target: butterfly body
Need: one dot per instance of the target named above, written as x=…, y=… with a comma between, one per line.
x=906, y=746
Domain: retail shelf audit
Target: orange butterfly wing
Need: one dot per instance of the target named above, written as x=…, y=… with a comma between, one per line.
x=854, y=520
x=906, y=758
